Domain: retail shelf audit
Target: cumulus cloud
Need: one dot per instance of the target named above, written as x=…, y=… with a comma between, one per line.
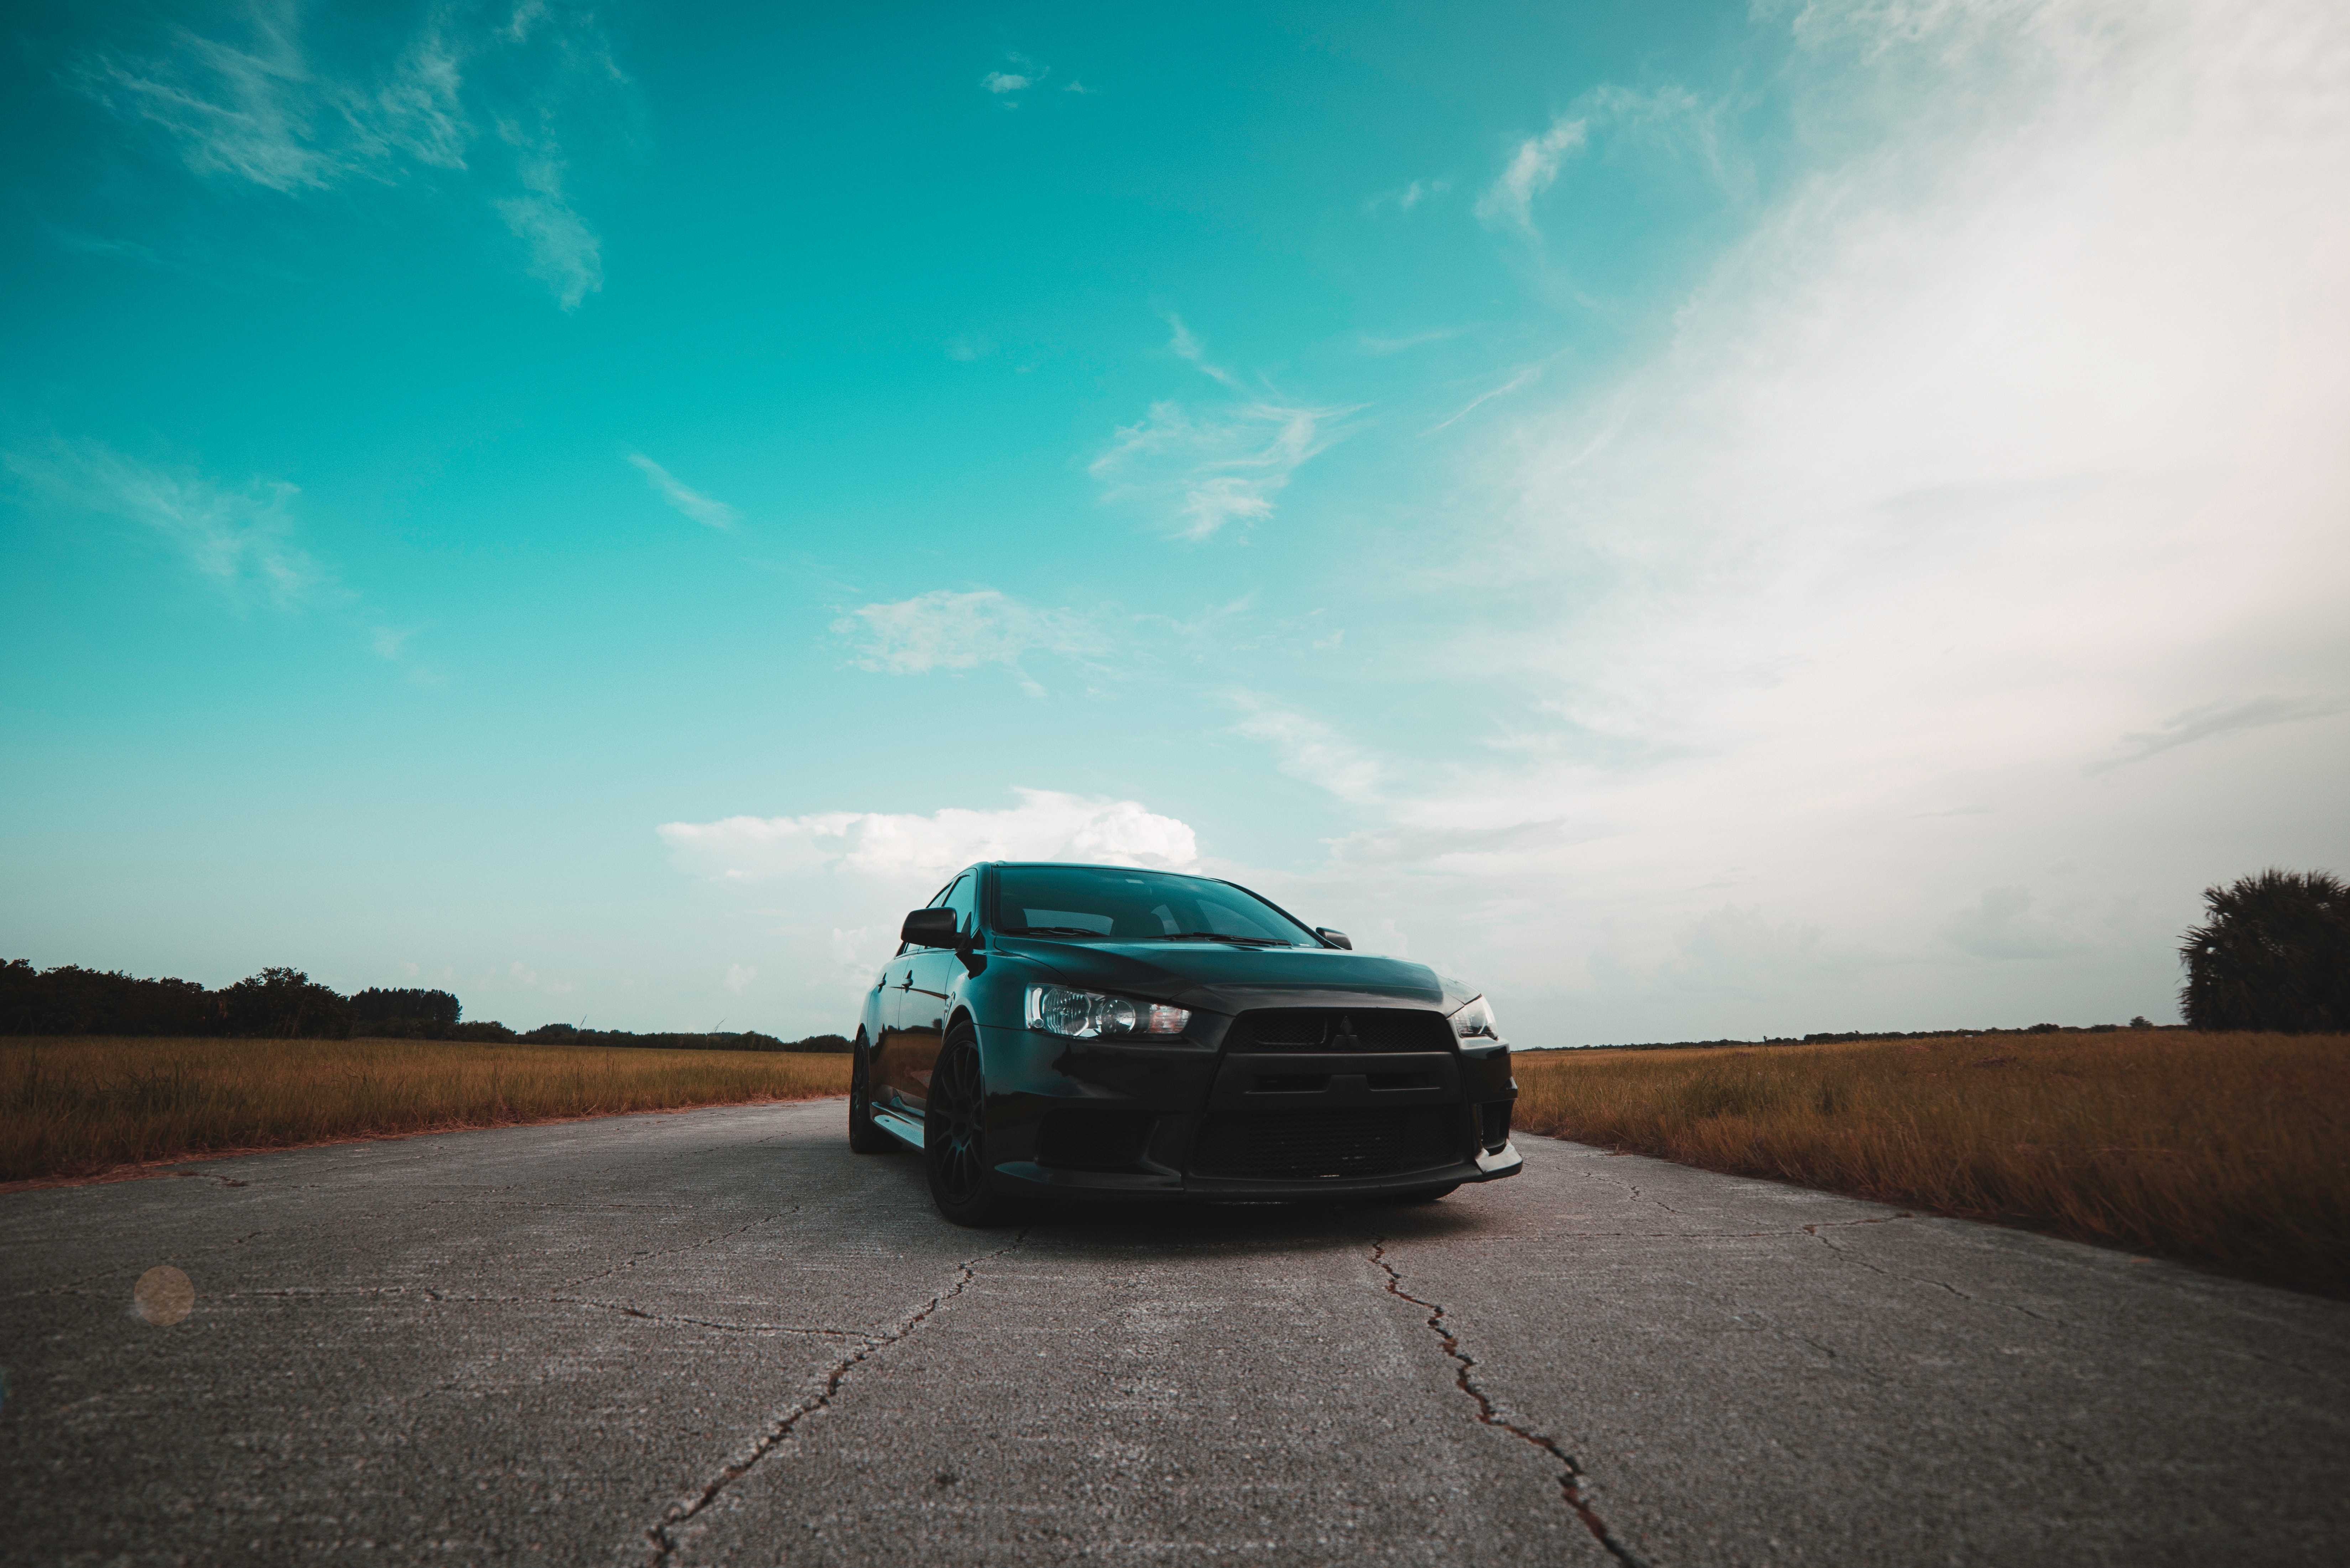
x=240, y=538
x=701, y=508
x=944, y=630
x=1000, y=82
x=905, y=850
x=830, y=887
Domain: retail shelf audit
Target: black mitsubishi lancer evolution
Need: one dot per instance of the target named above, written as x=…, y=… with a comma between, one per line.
x=1099, y=1032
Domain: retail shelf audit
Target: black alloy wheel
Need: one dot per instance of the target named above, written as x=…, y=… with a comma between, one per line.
x=864, y=1137
x=954, y=1134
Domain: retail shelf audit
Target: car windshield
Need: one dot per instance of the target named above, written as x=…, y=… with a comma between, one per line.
x=1136, y=906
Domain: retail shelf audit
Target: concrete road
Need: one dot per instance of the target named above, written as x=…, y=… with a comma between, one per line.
x=720, y=1337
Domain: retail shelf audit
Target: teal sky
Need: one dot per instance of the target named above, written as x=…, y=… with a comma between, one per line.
x=1701, y=519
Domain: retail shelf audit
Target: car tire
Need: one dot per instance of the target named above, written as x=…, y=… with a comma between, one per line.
x=954, y=1137
x=1416, y=1195
x=864, y=1137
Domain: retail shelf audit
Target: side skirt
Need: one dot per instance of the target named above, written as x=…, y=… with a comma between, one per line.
x=904, y=1129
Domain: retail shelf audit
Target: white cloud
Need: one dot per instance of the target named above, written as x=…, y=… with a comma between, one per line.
x=1228, y=465
x=944, y=630
x=270, y=111
x=1372, y=343
x=1187, y=347
x=693, y=503
x=740, y=975
x=1523, y=379
x=1410, y=196
x=239, y=538
x=1531, y=169
x=1000, y=82
x=2215, y=719
x=565, y=253
x=1309, y=749
x=1670, y=119
x=856, y=874
x=904, y=852
x=2014, y=421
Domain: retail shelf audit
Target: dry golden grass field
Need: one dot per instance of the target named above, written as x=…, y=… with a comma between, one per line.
x=2229, y=1151
x=80, y=1105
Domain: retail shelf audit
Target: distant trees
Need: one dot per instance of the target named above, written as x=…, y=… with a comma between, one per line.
x=2273, y=952
x=749, y=1040
x=282, y=1004
x=377, y=1005
x=287, y=1005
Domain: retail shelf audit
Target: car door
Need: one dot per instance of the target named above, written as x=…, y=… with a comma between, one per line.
x=922, y=1004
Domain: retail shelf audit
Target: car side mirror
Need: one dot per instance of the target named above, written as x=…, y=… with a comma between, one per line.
x=1335, y=938
x=929, y=929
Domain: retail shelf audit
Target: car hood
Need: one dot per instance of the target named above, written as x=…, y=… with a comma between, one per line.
x=1214, y=977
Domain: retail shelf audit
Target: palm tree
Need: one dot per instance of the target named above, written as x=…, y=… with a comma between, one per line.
x=2273, y=952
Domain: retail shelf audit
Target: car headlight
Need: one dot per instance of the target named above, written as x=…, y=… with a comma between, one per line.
x=1475, y=1022
x=1090, y=1015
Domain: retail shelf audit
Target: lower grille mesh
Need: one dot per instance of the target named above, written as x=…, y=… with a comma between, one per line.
x=1308, y=1146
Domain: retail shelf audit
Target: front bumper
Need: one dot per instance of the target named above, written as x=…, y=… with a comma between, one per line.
x=1202, y=1124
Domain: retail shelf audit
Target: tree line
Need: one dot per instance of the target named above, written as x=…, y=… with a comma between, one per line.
x=282, y=1004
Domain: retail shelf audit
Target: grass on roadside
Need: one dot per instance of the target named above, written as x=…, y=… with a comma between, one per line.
x=2229, y=1151
x=78, y=1106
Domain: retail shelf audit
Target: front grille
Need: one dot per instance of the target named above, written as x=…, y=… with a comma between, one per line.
x=1092, y=1140
x=1345, y=1030
x=1308, y=1146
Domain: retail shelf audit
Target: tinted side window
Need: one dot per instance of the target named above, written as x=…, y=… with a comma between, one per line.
x=963, y=899
x=937, y=899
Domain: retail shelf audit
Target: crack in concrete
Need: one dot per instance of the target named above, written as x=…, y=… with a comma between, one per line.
x=627, y=1311
x=1570, y=1478
x=1854, y=1258
x=73, y=1287
x=631, y=1262
x=468, y=1298
x=663, y=1537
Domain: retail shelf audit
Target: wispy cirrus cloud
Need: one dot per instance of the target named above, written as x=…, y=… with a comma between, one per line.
x=1523, y=379
x=1226, y=465
x=703, y=509
x=1670, y=117
x=1405, y=198
x=239, y=538
x=1532, y=167
x=2214, y=719
x=565, y=254
x=944, y=630
x=1311, y=751
x=259, y=105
